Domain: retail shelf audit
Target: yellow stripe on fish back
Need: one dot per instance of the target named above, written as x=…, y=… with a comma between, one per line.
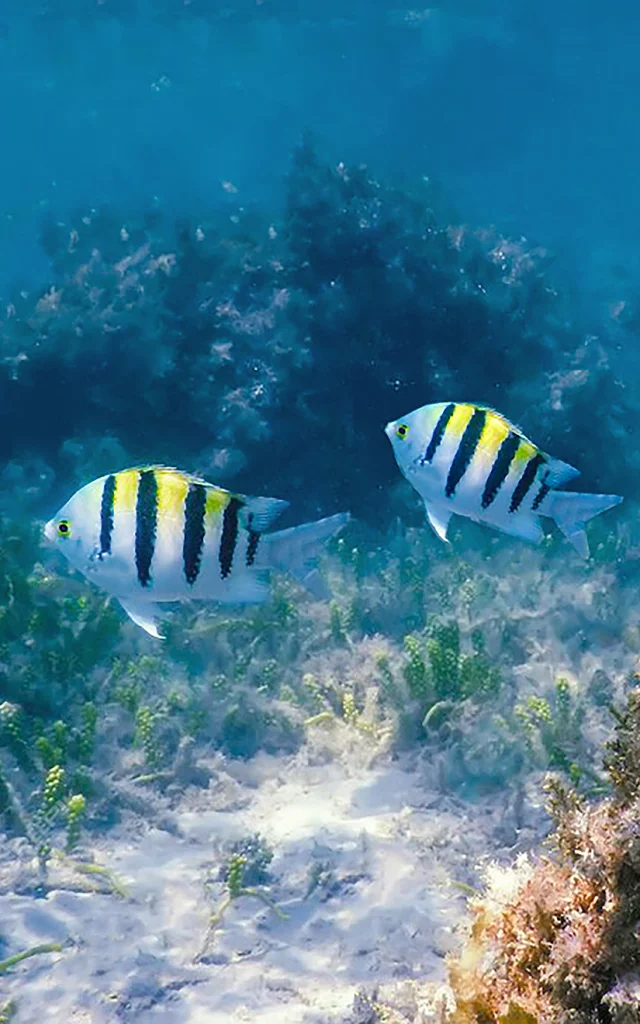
x=496, y=430
x=217, y=501
x=458, y=421
x=126, y=491
x=173, y=488
x=525, y=451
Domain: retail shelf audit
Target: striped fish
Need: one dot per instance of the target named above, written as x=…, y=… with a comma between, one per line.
x=155, y=534
x=469, y=460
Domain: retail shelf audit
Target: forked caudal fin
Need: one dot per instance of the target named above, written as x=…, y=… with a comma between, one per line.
x=296, y=551
x=572, y=510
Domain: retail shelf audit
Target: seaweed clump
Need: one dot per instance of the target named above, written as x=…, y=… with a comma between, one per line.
x=203, y=340
x=556, y=942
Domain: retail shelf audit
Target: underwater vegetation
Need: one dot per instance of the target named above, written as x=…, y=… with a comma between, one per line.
x=553, y=936
x=91, y=721
x=244, y=873
x=554, y=939
x=204, y=341
x=266, y=349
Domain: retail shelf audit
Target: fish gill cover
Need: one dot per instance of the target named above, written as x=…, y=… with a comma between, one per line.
x=264, y=343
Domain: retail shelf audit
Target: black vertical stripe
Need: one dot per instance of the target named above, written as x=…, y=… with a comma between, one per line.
x=525, y=481
x=252, y=546
x=229, y=536
x=540, y=496
x=194, y=531
x=466, y=450
x=146, y=524
x=438, y=432
x=106, y=515
x=500, y=468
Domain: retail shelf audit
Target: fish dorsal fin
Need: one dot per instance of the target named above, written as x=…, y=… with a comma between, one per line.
x=261, y=512
x=438, y=520
x=556, y=472
x=513, y=427
x=191, y=478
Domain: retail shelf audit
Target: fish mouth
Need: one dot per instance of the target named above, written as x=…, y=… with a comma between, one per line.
x=390, y=427
x=50, y=530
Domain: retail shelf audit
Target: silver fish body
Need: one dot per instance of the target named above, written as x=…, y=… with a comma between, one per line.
x=154, y=534
x=469, y=460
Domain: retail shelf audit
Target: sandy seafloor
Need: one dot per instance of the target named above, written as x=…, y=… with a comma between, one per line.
x=394, y=844
x=393, y=836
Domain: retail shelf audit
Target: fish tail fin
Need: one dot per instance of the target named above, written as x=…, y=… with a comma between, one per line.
x=296, y=551
x=572, y=510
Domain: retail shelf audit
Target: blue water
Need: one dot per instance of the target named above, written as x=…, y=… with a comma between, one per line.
x=239, y=237
x=525, y=113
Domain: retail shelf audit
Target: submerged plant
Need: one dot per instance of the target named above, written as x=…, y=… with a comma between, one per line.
x=75, y=813
x=146, y=734
x=416, y=673
x=13, y=731
x=256, y=857
x=17, y=958
x=8, y=1011
x=240, y=870
x=442, y=678
x=554, y=941
x=554, y=732
x=236, y=888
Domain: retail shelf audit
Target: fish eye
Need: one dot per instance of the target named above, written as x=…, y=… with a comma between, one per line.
x=401, y=431
x=64, y=528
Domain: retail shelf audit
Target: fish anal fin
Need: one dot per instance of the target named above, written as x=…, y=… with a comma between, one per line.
x=526, y=526
x=144, y=615
x=314, y=583
x=438, y=520
x=250, y=588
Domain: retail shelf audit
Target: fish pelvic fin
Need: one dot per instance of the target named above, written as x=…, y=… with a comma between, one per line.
x=572, y=510
x=144, y=614
x=438, y=520
x=296, y=551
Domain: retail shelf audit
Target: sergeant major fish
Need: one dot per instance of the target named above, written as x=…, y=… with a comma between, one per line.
x=469, y=460
x=155, y=534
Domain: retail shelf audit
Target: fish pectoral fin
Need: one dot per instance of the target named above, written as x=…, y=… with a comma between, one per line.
x=438, y=520
x=145, y=615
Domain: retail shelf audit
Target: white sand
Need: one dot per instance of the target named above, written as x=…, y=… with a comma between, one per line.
x=390, y=840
